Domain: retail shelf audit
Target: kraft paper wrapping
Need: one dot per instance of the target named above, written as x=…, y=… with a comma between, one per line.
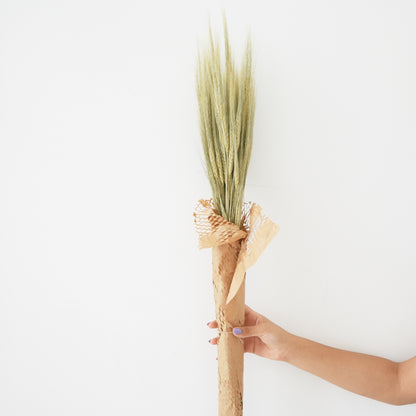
x=234, y=250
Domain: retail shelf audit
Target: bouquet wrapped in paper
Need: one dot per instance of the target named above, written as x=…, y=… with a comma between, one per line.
x=237, y=231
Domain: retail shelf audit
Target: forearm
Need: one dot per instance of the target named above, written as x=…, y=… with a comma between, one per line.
x=367, y=375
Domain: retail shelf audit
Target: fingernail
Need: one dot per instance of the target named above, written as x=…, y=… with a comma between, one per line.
x=217, y=358
x=237, y=331
x=209, y=341
x=208, y=323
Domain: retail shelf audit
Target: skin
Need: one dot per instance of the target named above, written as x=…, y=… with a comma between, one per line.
x=370, y=376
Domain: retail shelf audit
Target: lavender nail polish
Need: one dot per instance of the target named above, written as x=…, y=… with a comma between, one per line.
x=237, y=331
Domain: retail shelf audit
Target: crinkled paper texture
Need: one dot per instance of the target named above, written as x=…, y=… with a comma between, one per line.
x=256, y=232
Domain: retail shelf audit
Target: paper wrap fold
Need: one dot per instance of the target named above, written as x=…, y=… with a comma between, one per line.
x=256, y=232
x=234, y=250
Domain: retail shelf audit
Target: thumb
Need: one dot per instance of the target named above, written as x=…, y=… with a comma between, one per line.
x=248, y=331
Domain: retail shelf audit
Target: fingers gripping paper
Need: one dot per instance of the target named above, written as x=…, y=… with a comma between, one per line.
x=234, y=250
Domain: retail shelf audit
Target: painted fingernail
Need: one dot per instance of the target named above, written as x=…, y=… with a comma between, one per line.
x=237, y=331
x=208, y=323
x=209, y=341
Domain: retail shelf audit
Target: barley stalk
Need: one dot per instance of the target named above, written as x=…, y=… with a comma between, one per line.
x=226, y=103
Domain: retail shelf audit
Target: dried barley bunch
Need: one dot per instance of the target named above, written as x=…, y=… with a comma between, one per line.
x=226, y=116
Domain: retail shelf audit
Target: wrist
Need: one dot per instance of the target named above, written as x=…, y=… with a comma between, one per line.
x=287, y=346
x=280, y=341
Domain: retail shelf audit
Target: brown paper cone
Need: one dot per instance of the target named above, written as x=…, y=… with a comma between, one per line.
x=230, y=348
x=234, y=250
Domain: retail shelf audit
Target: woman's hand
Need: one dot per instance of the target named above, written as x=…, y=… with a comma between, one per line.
x=261, y=336
x=368, y=375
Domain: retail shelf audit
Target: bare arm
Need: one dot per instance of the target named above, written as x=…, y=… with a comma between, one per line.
x=407, y=380
x=367, y=375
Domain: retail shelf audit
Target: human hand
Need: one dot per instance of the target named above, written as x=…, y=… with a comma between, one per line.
x=261, y=336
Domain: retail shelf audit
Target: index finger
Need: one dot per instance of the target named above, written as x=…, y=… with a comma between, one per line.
x=212, y=324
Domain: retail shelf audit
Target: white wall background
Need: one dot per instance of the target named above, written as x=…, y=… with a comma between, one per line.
x=104, y=295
